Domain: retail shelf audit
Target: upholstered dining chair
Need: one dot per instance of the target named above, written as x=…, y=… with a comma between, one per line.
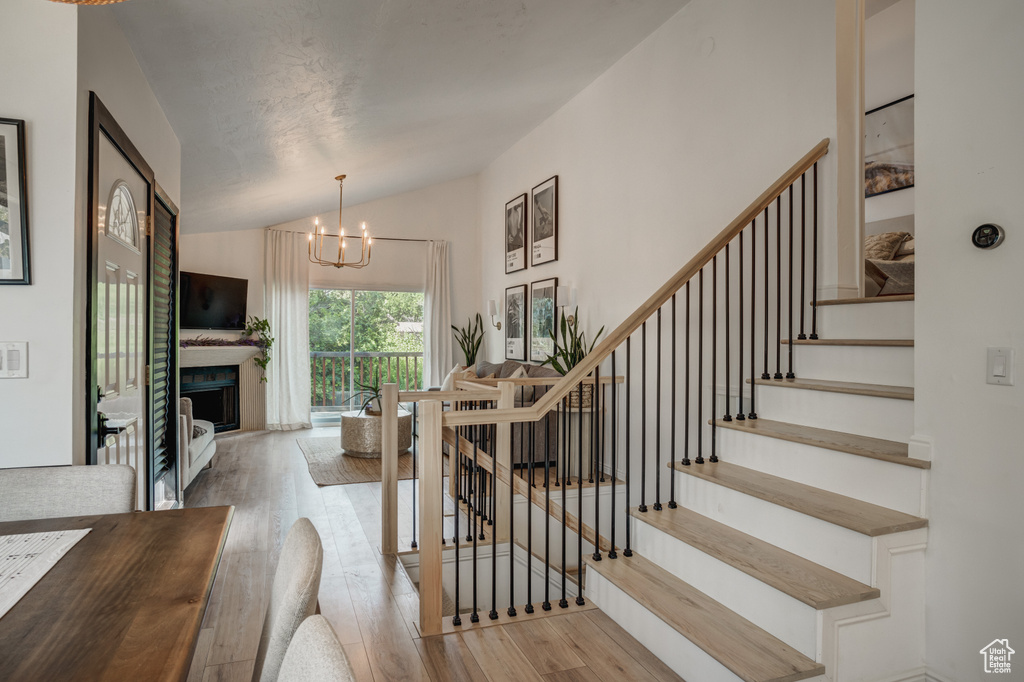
x=293, y=597
x=315, y=655
x=54, y=492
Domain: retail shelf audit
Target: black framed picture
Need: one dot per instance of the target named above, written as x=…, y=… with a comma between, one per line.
x=14, y=263
x=515, y=234
x=515, y=322
x=542, y=318
x=544, y=227
x=889, y=147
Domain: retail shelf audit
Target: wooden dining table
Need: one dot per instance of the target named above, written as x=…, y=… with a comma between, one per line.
x=125, y=603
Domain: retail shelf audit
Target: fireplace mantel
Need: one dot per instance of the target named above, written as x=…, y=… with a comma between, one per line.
x=207, y=356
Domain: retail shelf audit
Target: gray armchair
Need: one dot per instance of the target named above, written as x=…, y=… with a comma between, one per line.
x=55, y=492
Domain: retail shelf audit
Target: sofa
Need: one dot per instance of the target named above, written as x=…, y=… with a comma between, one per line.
x=545, y=435
x=196, y=442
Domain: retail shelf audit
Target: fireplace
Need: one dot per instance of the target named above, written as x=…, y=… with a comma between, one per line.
x=214, y=394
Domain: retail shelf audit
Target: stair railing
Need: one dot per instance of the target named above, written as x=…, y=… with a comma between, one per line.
x=740, y=292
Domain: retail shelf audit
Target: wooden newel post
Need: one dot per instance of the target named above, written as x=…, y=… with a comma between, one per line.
x=431, y=511
x=389, y=469
x=503, y=455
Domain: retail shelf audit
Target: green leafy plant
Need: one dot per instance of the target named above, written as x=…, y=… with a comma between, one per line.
x=469, y=338
x=370, y=391
x=573, y=347
x=261, y=328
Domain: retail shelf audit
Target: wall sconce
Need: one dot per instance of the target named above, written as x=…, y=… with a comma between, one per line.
x=566, y=297
x=492, y=309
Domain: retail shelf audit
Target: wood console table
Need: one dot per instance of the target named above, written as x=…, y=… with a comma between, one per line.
x=125, y=603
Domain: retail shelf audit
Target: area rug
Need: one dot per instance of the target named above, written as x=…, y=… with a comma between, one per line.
x=328, y=466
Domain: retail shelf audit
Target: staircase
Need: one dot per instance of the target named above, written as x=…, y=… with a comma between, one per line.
x=799, y=555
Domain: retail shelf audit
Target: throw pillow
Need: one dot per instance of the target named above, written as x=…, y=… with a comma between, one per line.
x=906, y=248
x=883, y=246
x=449, y=381
x=524, y=393
x=197, y=431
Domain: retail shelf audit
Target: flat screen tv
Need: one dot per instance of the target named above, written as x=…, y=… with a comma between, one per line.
x=212, y=301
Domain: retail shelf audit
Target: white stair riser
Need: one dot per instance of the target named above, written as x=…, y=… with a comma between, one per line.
x=871, y=480
x=677, y=652
x=783, y=616
x=892, y=365
x=867, y=321
x=886, y=418
x=832, y=546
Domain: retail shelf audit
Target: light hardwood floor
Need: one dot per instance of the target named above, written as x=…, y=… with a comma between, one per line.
x=368, y=597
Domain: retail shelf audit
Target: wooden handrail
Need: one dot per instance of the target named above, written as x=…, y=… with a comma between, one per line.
x=618, y=336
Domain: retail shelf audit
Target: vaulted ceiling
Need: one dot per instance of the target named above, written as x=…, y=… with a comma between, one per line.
x=273, y=98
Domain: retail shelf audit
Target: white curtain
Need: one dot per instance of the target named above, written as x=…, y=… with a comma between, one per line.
x=286, y=269
x=437, y=315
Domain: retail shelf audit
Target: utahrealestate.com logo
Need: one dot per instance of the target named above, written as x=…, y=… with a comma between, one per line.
x=997, y=656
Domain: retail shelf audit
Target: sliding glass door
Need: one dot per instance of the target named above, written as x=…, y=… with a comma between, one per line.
x=357, y=336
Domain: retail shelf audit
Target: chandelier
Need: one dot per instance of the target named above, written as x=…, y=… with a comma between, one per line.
x=317, y=236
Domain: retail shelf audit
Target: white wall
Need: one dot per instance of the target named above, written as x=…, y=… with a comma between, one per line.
x=445, y=211
x=37, y=84
x=663, y=150
x=888, y=76
x=970, y=170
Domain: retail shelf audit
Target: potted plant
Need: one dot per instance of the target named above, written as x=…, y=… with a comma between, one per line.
x=569, y=352
x=369, y=393
x=469, y=338
x=261, y=328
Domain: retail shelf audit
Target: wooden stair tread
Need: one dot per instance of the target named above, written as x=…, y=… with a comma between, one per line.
x=853, y=342
x=848, y=387
x=871, y=299
x=800, y=578
x=748, y=651
x=863, y=446
x=861, y=517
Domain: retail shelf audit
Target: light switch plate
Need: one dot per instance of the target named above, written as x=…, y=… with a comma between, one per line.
x=999, y=368
x=14, y=360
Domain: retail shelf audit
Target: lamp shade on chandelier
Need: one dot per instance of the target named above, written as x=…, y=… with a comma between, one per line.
x=320, y=243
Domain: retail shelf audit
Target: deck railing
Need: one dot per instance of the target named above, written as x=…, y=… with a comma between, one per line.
x=334, y=375
x=657, y=409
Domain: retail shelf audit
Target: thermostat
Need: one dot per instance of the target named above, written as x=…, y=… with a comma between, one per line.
x=988, y=236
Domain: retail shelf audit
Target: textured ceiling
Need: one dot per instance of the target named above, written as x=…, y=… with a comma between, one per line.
x=273, y=98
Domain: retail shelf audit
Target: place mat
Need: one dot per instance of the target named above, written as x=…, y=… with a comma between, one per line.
x=26, y=558
x=328, y=466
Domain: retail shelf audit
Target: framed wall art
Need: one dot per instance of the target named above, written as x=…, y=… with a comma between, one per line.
x=515, y=323
x=515, y=234
x=14, y=262
x=542, y=318
x=889, y=147
x=544, y=228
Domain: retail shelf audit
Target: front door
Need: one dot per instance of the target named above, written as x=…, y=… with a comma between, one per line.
x=121, y=189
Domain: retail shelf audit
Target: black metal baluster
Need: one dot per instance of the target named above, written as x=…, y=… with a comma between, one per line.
x=475, y=616
x=595, y=412
x=579, y=505
x=547, y=512
x=628, y=551
x=803, y=251
x=714, y=356
x=686, y=388
x=727, y=417
x=789, y=302
x=615, y=449
x=739, y=371
x=778, y=288
x=493, y=614
x=529, y=521
x=415, y=443
x=643, y=417
x=657, y=420
x=456, y=619
x=512, y=539
x=814, y=260
x=753, y=315
x=566, y=444
x=700, y=367
x=764, y=369
x=672, y=452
